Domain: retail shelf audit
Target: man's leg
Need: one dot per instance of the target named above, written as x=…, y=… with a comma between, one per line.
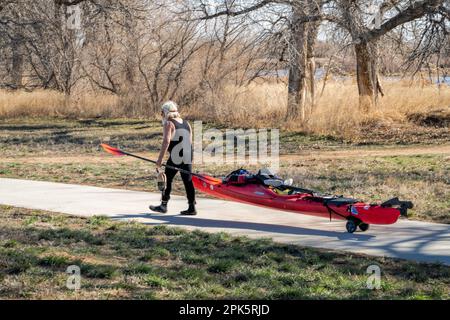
x=170, y=174
x=190, y=190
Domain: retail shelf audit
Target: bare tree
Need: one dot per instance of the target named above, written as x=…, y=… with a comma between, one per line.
x=348, y=14
x=300, y=19
x=147, y=51
x=431, y=43
x=13, y=39
x=365, y=39
x=42, y=39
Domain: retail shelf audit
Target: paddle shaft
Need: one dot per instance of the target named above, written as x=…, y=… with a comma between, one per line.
x=163, y=165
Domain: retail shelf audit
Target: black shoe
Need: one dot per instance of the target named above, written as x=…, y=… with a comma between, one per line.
x=159, y=209
x=190, y=211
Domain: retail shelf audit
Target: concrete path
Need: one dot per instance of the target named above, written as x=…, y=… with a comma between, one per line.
x=407, y=239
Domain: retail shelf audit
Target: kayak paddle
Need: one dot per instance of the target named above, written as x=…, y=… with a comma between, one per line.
x=121, y=153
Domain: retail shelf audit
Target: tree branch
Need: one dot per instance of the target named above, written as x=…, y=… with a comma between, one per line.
x=231, y=13
x=4, y=3
x=69, y=2
x=414, y=11
x=445, y=11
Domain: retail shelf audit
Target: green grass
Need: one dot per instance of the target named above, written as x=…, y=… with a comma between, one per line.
x=66, y=135
x=56, y=136
x=134, y=261
x=36, y=137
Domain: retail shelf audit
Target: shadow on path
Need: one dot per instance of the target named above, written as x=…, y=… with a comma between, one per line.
x=364, y=241
x=241, y=225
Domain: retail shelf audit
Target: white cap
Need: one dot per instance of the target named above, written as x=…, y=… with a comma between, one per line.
x=169, y=107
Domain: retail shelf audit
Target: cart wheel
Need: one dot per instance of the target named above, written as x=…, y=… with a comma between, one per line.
x=351, y=226
x=364, y=227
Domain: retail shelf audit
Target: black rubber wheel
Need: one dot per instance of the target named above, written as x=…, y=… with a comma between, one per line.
x=351, y=226
x=364, y=227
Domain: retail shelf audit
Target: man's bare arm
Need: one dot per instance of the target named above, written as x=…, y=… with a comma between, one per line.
x=167, y=136
x=190, y=130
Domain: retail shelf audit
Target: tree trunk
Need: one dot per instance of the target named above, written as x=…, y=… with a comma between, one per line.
x=131, y=98
x=311, y=63
x=364, y=75
x=17, y=62
x=297, y=71
x=312, y=80
x=61, y=63
x=378, y=88
x=369, y=84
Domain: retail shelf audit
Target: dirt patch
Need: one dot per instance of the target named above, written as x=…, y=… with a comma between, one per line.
x=308, y=154
x=73, y=159
x=439, y=118
x=358, y=153
x=384, y=133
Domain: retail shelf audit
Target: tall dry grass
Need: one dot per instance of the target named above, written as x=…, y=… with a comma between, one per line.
x=256, y=105
x=338, y=112
x=49, y=103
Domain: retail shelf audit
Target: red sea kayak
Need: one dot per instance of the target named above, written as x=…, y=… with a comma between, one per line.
x=358, y=214
x=267, y=190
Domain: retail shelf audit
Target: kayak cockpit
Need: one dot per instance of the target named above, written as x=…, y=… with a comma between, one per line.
x=267, y=179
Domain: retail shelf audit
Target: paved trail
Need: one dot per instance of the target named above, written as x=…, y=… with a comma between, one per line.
x=413, y=240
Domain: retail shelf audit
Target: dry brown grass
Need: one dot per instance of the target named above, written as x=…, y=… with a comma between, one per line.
x=256, y=105
x=39, y=103
x=337, y=111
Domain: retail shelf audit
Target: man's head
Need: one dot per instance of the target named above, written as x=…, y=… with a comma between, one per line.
x=169, y=110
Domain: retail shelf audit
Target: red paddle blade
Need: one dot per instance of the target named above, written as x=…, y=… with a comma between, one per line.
x=113, y=151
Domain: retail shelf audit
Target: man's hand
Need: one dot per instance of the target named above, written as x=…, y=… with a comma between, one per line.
x=158, y=166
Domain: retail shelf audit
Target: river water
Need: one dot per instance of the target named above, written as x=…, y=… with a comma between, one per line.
x=320, y=74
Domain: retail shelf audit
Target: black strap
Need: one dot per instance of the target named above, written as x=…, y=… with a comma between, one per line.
x=332, y=211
